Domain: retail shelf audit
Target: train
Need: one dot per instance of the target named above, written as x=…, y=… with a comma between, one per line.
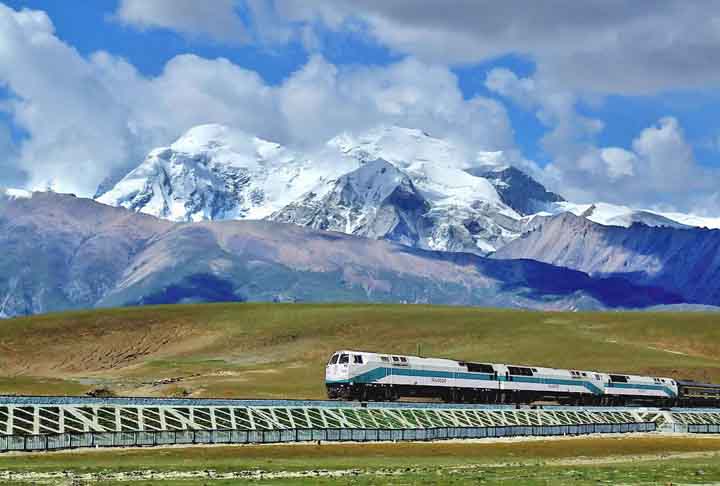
x=366, y=376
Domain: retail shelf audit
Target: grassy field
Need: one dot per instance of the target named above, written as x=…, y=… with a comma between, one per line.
x=639, y=460
x=279, y=350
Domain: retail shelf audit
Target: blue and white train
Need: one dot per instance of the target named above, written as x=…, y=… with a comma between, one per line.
x=359, y=375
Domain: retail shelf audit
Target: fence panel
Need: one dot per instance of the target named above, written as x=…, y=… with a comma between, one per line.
x=131, y=439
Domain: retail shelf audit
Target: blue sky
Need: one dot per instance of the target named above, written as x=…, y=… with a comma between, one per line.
x=601, y=102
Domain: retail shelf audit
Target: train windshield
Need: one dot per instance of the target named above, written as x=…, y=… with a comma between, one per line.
x=334, y=359
x=344, y=359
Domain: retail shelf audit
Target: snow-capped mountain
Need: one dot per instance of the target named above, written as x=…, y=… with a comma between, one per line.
x=214, y=172
x=453, y=210
x=376, y=200
x=389, y=183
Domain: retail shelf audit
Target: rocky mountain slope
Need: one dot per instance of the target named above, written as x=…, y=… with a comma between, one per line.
x=375, y=200
x=390, y=183
x=685, y=261
x=62, y=252
x=517, y=189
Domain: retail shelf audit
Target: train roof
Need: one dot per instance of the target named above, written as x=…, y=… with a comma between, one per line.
x=696, y=383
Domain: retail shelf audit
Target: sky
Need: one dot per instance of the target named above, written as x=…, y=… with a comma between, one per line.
x=601, y=100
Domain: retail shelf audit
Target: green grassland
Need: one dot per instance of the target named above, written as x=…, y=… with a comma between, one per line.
x=279, y=350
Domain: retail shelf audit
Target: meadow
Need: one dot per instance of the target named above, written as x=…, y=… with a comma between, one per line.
x=577, y=461
x=279, y=350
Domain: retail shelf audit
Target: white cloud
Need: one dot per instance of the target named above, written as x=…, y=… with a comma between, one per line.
x=86, y=117
x=619, y=162
x=216, y=19
x=506, y=83
x=73, y=120
x=619, y=46
x=667, y=157
x=659, y=171
x=570, y=134
x=408, y=93
x=660, y=168
x=10, y=173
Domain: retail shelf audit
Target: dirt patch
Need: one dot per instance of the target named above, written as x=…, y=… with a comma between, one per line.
x=98, y=349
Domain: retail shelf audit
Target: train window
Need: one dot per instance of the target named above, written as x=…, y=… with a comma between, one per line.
x=618, y=379
x=597, y=377
x=403, y=359
x=344, y=359
x=395, y=358
x=534, y=370
x=520, y=371
x=584, y=374
x=480, y=368
x=334, y=359
x=384, y=358
x=357, y=359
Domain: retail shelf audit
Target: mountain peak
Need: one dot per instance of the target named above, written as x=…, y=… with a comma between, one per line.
x=517, y=189
x=403, y=147
x=215, y=172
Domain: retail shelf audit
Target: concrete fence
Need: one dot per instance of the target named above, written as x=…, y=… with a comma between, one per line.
x=48, y=442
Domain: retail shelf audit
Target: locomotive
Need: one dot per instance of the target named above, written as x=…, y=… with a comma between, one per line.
x=359, y=375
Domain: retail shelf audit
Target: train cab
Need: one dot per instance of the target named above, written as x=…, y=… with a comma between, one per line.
x=340, y=370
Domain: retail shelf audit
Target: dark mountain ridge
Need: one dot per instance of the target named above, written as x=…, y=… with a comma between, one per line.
x=684, y=261
x=62, y=252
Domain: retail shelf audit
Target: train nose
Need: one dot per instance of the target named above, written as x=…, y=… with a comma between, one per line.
x=332, y=372
x=336, y=372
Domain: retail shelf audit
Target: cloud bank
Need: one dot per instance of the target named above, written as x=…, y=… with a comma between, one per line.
x=89, y=116
x=215, y=20
x=618, y=46
x=86, y=117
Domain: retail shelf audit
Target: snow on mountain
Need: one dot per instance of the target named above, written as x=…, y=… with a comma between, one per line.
x=616, y=215
x=402, y=147
x=693, y=220
x=377, y=200
x=10, y=193
x=389, y=182
x=435, y=165
x=213, y=172
x=463, y=212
